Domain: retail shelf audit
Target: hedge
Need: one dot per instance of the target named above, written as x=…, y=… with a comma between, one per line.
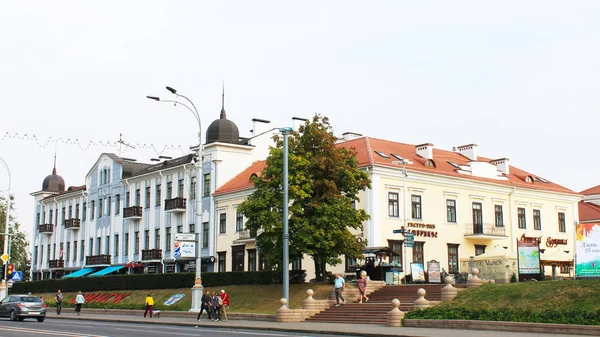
x=154, y=281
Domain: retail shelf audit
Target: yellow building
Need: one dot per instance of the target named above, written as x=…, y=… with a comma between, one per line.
x=457, y=205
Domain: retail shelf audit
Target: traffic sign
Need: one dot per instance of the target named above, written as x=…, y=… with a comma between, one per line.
x=409, y=237
x=4, y=257
x=398, y=231
x=17, y=276
x=9, y=283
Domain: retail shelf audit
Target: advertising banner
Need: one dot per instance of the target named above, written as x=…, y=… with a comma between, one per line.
x=433, y=272
x=185, y=249
x=529, y=257
x=418, y=274
x=587, y=250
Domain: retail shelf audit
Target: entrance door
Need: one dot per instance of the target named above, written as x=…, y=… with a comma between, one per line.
x=237, y=258
x=477, y=218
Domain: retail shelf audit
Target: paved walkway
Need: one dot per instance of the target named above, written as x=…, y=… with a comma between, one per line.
x=300, y=327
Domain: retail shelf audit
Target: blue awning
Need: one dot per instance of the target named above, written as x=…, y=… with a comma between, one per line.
x=81, y=272
x=107, y=270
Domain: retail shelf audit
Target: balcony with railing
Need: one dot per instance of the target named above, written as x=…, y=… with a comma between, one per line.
x=484, y=231
x=47, y=228
x=151, y=254
x=175, y=205
x=246, y=235
x=72, y=224
x=133, y=212
x=56, y=264
x=97, y=260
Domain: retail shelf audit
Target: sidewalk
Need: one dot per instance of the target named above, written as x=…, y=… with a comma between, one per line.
x=189, y=319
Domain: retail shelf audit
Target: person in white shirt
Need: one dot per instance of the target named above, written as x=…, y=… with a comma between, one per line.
x=79, y=300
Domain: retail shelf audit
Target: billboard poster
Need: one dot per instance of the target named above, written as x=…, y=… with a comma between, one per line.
x=418, y=274
x=587, y=250
x=529, y=257
x=185, y=249
x=433, y=272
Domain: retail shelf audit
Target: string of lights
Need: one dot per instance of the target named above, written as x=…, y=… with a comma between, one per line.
x=86, y=145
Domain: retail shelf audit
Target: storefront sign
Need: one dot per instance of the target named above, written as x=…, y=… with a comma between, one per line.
x=550, y=242
x=185, y=237
x=420, y=225
x=531, y=239
x=587, y=250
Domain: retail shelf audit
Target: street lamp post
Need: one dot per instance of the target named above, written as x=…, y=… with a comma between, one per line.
x=286, y=235
x=3, y=287
x=403, y=162
x=197, y=289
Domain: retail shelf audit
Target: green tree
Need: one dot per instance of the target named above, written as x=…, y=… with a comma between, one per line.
x=19, y=247
x=324, y=182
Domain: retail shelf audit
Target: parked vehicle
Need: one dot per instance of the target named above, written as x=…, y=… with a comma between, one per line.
x=19, y=307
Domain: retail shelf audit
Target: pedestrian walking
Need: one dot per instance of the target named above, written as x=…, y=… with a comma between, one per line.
x=205, y=305
x=361, y=283
x=149, y=305
x=339, y=285
x=59, y=299
x=224, y=304
x=79, y=301
x=216, y=307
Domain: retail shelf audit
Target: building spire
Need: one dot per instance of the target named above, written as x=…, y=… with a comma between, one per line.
x=54, y=169
x=223, y=115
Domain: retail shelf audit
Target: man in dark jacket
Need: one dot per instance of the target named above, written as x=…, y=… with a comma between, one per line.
x=216, y=307
x=206, y=300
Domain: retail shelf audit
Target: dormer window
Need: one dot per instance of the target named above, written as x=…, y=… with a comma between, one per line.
x=454, y=164
x=542, y=180
x=397, y=156
x=529, y=179
x=382, y=154
x=254, y=175
x=430, y=163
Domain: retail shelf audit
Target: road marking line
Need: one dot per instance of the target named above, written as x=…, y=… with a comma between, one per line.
x=47, y=332
x=159, y=332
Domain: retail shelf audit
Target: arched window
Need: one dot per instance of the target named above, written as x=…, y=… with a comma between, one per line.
x=529, y=179
x=430, y=163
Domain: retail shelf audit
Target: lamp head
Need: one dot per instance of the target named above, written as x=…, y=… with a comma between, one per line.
x=172, y=90
x=154, y=98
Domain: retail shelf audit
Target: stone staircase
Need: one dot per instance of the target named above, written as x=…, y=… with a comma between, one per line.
x=375, y=310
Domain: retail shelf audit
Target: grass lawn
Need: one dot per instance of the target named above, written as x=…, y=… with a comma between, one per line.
x=263, y=299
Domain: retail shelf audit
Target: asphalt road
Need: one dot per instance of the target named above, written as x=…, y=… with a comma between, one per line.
x=79, y=328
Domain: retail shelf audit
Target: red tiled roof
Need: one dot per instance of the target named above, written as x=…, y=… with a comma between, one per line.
x=242, y=180
x=366, y=155
x=588, y=211
x=592, y=190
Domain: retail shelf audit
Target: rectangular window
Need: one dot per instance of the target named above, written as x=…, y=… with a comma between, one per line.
x=76, y=211
x=127, y=199
x=222, y=261
x=180, y=229
x=107, y=245
x=108, y=205
x=239, y=221
x=393, y=204
x=296, y=264
x=136, y=247
x=37, y=220
x=70, y=212
x=223, y=223
x=206, y=186
x=477, y=218
x=416, y=206
x=180, y=189
x=74, y=251
x=117, y=204
x=351, y=264
x=157, y=238
x=168, y=243
x=84, y=210
x=138, y=197
x=116, y=244
x=63, y=214
x=35, y=255
x=479, y=249
x=419, y=252
x=205, y=235
x=192, y=228
x=91, y=247
x=158, y=195
x=100, y=207
x=146, y=239
x=54, y=251
x=562, y=223
x=192, y=188
x=521, y=218
x=68, y=258
x=147, y=197
x=126, y=244
x=49, y=251
x=452, y=258
x=451, y=211
x=499, y=216
x=93, y=209
x=98, y=245
x=82, y=250
x=50, y=217
x=396, y=256
x=537, y=219
x=564, y=269
x=169, y=190
x=251, y=259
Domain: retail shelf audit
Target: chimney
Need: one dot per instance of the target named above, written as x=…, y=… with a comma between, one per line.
x=502, y=165
x=425, y=150
x=297, y=121
x=346, y=136
x=259, y=126
x=469, y=151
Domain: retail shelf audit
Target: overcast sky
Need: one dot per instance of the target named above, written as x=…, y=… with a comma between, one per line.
x=519, y=78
